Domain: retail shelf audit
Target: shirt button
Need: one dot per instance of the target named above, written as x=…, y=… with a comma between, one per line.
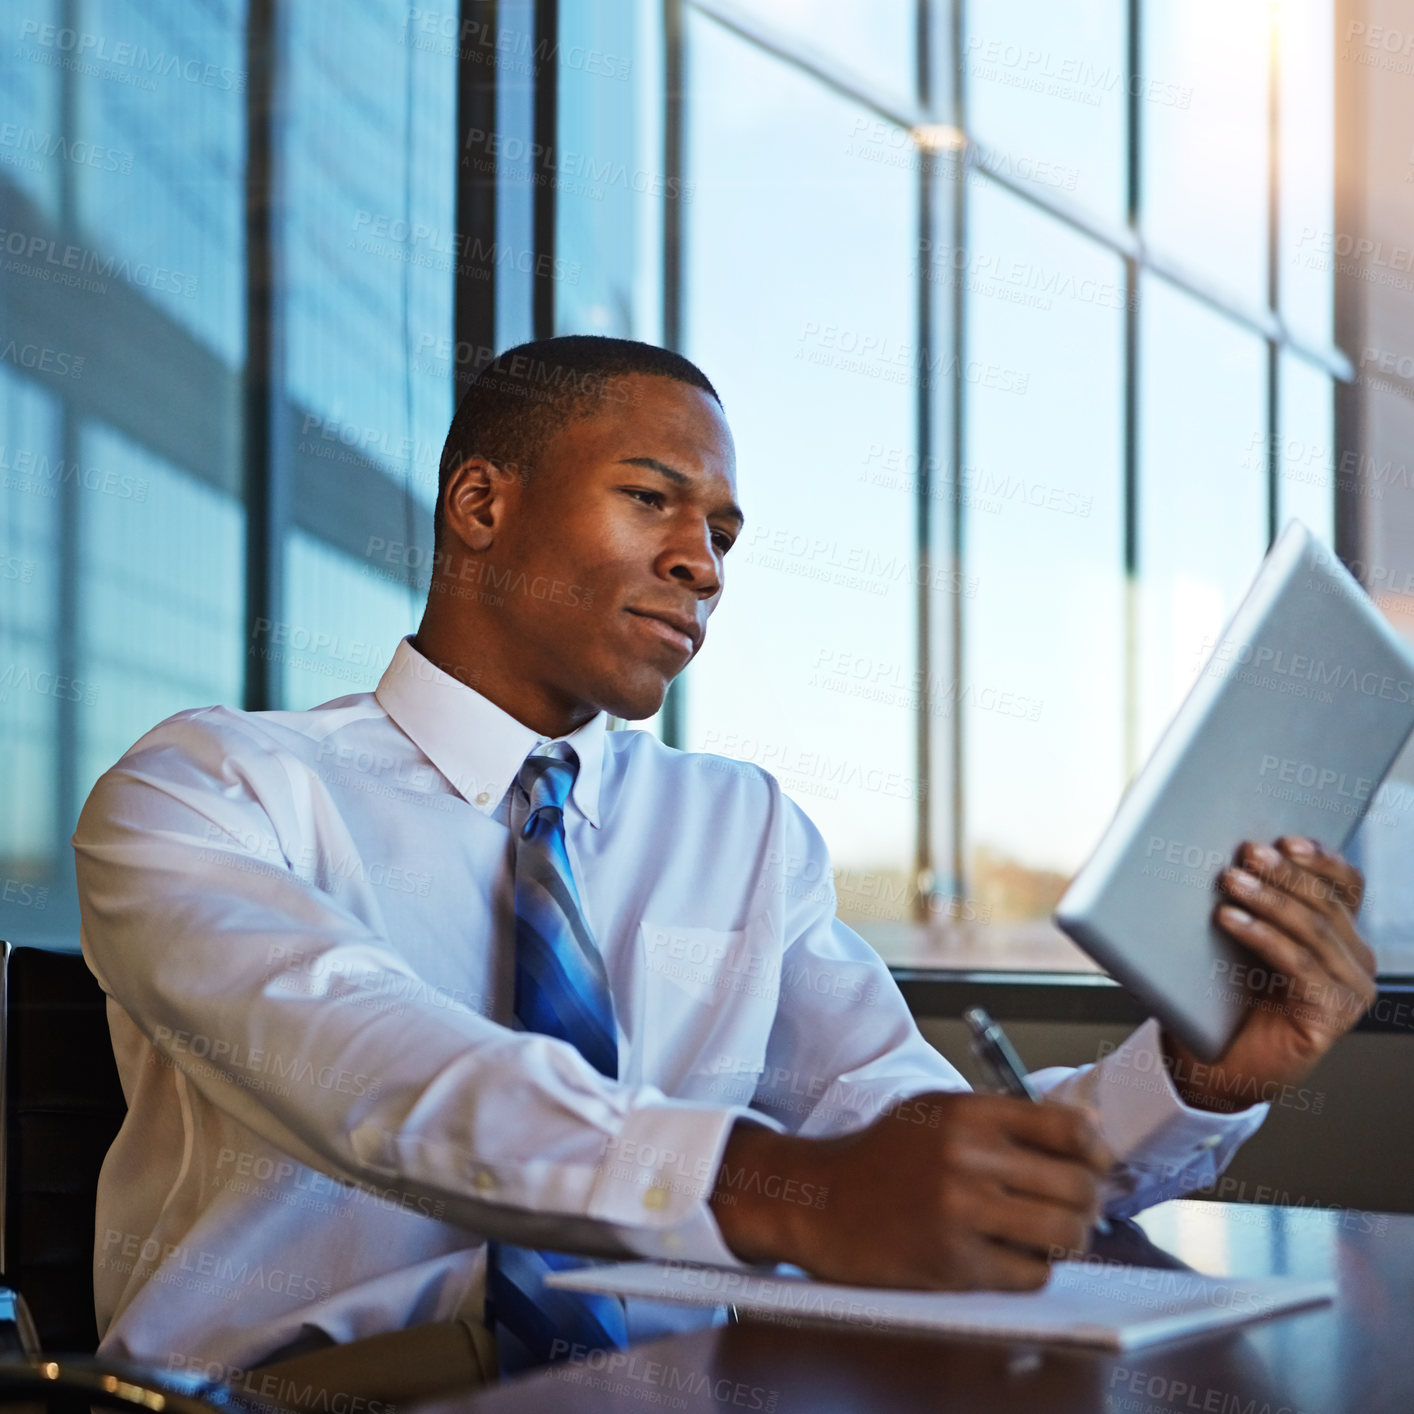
x=656, y=1198
x=483, y=1181
x=1211, y=1142
x=483, y=797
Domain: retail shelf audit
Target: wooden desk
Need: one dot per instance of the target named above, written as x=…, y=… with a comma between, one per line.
x=1353, y=1357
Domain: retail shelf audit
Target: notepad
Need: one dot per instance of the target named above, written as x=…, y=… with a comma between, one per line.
x=1105, y=1304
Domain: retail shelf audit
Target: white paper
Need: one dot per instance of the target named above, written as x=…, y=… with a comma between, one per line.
x=1084, y=1303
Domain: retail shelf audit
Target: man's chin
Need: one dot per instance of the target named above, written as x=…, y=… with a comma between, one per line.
x=636, y=701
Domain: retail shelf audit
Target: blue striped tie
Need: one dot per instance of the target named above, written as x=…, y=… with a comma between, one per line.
x=561, y=989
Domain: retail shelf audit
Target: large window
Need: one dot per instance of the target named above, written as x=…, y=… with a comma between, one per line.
x=1027, y=364
x=122, y=318
x=225, y=375
x=1016, y=311
x=811, y=652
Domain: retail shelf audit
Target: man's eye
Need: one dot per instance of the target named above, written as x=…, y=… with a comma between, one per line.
x=724, y=540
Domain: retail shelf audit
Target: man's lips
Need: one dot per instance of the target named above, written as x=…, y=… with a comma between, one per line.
x=671, y=628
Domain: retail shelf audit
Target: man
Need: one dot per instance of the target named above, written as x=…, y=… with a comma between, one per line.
x=374, y=1004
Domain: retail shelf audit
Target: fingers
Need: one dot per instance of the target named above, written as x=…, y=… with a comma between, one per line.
x=1040, y=1227
x=1061, y=1182
x=1065, y=1131
x=1010, y=1186
x=1335, y=995
x=1002, y=1268
x=1289, y=932
x=1040, y=1186
x=1335, y=885
x=1329, y=883
x=982, y=1263
x=1346, y=882
x=1348, y=993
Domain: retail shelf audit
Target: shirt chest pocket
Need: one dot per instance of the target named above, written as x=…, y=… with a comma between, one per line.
x=707, y=1003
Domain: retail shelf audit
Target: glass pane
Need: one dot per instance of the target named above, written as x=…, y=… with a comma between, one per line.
x=1047, y=95
x=29, y=649
x=367, y=242
x=1381, y=847
x=876, y=41
x=162, y=184
x=610, y=188
x=1202, y=494
x=31, y=88
x=1305, y=38
x=1306, y=458
x=369, y=258
x=342, y=625
x=160, y=597
x=1204, y=190
x=122, y=173
x=514, y=171
x=800, y=308
x=1043, y=681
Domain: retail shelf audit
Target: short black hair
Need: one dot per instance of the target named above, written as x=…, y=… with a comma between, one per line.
x=516, y=403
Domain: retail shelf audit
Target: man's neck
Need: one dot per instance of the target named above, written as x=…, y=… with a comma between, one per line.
x=516, y=698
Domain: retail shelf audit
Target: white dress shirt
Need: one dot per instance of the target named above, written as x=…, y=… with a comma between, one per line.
x=303, y=921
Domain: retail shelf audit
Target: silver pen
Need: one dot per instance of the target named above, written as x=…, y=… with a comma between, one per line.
x=992, y=1047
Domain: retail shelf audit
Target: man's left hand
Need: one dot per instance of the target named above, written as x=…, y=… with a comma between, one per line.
x=1293, y=906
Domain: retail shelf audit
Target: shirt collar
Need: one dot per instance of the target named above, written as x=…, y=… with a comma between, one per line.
x=475, y=744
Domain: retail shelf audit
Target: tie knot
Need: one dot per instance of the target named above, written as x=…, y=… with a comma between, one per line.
x=548, y=774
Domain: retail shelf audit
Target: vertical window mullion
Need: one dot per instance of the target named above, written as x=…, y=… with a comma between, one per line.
x=545, y=121
x=1273, y=419
x=673, y=723
x=266, y=489
x=960, y=872
x=1130, y=401
x=923, y=437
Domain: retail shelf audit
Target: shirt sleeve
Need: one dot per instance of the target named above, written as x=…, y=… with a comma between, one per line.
x=191, y=909
x=1165, y=1147
x=844, y=1047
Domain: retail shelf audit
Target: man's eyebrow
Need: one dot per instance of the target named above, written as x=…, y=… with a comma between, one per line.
x=731, y=510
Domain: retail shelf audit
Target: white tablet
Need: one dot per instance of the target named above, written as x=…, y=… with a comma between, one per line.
x=1293, y=722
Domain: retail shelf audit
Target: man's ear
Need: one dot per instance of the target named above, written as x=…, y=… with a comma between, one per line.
x=475, y=499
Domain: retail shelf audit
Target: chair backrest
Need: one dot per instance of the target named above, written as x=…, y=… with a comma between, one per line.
x=62, y=1108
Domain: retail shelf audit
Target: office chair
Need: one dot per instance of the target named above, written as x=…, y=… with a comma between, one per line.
x=61, y=1106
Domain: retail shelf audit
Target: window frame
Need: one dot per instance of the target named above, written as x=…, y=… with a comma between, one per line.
x=939, y=102
x=936, y=118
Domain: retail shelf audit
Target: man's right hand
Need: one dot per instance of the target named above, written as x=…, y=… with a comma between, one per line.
x=947, y=1191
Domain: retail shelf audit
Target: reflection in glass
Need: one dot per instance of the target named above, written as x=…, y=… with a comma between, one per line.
x=1307, y=146
x=1203, y=132
x=1202, y=491
x=345, y=622
x=160, y=597
x=119, y=407
x=1046, y=87
x=29, y=639
x=1382, y=847
x=368, y=162
x=810, y=663
x=876, y=41
x=1306, y=458
x=1043, y=483
x=368, y=246
x=610, y=188
x=163, y=186
x=31, y=97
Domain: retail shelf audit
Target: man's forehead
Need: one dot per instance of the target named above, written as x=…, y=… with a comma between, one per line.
x=674, y=423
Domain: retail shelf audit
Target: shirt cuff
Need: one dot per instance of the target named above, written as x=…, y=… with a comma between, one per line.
x=657, y=1177
x=1143, y=1118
